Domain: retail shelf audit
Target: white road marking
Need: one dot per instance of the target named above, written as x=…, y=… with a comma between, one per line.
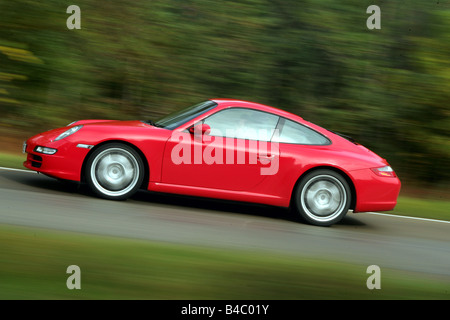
x=20, y=170
x=375, y=213
x=407, y=217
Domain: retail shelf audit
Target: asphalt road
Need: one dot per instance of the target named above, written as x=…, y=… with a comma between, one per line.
x=29, y=199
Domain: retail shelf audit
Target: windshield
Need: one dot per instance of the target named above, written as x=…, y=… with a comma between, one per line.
x=177, y=118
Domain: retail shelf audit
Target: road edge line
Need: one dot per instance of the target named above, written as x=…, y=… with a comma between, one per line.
x=374, y=213
x=408, y=217
x=20, y=170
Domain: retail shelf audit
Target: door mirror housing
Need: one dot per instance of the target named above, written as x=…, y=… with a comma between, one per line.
x=200, y=129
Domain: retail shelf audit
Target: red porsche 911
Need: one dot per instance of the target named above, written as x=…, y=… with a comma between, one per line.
x=224, y=149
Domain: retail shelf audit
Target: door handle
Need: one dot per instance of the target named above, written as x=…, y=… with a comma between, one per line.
x=268, y=157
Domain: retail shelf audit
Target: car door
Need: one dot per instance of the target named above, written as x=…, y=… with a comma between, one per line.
x=236, y=154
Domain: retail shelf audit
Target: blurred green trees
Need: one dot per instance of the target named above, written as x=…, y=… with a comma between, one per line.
x=387, y=88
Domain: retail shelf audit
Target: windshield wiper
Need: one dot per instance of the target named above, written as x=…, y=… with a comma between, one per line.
x=153, y=123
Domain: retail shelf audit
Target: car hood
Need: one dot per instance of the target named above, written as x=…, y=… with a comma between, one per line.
x=121, y=123
x=360, y=151
x=95, y=125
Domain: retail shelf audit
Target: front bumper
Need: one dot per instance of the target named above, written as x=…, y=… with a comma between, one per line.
x=66, y=163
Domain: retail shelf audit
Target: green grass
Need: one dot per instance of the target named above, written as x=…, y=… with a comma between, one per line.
x=11, y=160
x=33, y=264
x=407, y=206
x=423, y=208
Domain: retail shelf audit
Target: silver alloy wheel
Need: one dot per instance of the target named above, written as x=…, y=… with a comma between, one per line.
x=114, y=172
x=323, y=198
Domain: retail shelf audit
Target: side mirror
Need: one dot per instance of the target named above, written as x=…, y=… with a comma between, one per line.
x=200, y=129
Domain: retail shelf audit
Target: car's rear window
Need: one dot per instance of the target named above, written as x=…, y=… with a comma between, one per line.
x=293, y=132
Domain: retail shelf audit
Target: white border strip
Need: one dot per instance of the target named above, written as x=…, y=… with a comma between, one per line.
x=407, y=217
x=20, y=170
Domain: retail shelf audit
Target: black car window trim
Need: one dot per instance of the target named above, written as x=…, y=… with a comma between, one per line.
x=178, y=124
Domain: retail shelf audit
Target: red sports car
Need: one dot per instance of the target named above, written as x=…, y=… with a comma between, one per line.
x=225, y=149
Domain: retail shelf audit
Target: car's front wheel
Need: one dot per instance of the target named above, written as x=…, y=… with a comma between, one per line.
x=322, y=197
x=115, y=171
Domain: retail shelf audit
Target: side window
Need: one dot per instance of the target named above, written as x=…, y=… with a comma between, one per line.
x=293, y=132
x=242, y=124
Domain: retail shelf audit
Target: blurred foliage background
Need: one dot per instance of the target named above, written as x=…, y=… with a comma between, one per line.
x=389, y=88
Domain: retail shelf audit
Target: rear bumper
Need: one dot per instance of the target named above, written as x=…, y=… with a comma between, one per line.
x=375, y=193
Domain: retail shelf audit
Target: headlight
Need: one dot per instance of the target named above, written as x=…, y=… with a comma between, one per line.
x=45, y=150
x=68, y=132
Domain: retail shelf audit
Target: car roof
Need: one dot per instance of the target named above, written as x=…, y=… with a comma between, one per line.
x=255, y=105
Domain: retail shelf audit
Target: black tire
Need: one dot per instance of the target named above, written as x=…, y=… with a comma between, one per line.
x=322, y=197
x=114, y=171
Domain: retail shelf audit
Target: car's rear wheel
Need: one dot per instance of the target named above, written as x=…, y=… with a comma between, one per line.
x=115, y=171
x=322, y=197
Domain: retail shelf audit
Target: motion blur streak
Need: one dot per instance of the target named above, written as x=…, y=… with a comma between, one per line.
x=387, y=88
